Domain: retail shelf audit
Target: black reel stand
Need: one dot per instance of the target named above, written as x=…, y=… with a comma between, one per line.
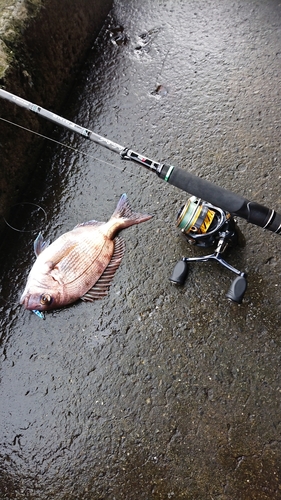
x=224, y=233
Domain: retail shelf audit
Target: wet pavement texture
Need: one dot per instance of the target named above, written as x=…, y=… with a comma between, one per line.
x=154, y=392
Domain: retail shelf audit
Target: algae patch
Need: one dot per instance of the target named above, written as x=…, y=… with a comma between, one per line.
x=14, y=16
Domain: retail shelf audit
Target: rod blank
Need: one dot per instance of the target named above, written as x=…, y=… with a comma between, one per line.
x=226, y=200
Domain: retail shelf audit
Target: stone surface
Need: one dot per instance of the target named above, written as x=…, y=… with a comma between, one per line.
x=156, y=392
x=42, y=45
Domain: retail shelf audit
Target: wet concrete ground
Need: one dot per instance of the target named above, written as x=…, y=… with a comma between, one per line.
x=155, y=392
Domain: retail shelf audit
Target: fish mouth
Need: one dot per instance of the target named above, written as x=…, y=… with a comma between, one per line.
x=24, y=301
x=28, y=303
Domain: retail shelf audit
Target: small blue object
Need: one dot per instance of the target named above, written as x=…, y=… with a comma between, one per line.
x=38, y=313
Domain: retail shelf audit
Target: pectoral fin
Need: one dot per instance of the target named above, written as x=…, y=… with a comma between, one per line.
x=101, y=287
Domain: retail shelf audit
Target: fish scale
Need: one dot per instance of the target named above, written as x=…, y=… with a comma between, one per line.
x=82, y=256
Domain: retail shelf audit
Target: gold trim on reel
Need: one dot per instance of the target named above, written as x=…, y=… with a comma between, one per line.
x=195, y=217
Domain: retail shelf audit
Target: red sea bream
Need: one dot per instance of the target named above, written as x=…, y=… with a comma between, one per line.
x=80, y=264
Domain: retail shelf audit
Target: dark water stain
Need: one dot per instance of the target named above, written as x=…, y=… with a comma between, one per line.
x=117, y=35
x=160, y=90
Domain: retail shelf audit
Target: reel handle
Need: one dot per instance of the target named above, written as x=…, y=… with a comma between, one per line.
x=230, y=202
x=237, y=289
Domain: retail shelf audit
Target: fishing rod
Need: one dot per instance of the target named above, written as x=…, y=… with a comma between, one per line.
x=207, y=217
x=233, y=203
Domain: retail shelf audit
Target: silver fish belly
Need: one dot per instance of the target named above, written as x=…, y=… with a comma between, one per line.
x=81, y=263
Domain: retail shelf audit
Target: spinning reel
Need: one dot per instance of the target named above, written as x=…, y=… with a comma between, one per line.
x=205, y=225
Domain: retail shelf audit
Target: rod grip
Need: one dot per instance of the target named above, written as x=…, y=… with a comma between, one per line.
x=226, y=200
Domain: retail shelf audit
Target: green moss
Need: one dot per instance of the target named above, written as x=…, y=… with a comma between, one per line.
x=14, y=17
x=5, y=58
x=33, y=6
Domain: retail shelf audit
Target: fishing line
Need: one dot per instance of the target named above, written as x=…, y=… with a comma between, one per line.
x=26, y=230
x=75, y=150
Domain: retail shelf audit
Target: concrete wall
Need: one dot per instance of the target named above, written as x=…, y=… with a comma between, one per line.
x=42, y=45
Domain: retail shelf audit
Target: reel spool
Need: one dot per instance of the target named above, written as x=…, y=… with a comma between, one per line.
x=200, y=222
x=205, y=225
x=195, y=217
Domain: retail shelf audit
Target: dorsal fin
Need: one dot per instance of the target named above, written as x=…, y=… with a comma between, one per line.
x=90, y=223
x=39, y=244
x=101, y=287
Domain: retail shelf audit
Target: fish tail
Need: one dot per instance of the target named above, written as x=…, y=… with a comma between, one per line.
x=125, y=212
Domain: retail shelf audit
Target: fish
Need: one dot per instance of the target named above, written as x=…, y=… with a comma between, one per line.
x=79, y=264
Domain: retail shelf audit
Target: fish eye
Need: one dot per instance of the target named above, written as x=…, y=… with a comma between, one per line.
x=45, y=299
